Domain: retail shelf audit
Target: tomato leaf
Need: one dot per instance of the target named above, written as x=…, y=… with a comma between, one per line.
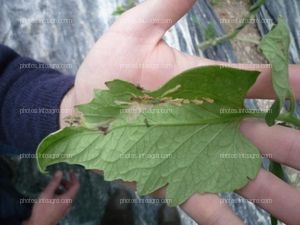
x=176, y=136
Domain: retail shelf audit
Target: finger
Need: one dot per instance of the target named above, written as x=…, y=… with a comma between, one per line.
x=279, y=143
x=73, y=188
x=275, y=196
x=53, y=185
x=263, y=87
x=210, y=209
x=203, y=208
x=152, y=18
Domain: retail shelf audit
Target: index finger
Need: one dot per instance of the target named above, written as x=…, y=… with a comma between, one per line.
x=152, y=18
x=263, y=87
x=279, y=143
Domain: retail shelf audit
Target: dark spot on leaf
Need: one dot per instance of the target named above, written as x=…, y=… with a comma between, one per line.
x=146, y=122
x=139, y=88
x=104, y=130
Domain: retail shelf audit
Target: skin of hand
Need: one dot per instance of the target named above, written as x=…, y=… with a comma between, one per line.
x=54, y=207
x=133, y=50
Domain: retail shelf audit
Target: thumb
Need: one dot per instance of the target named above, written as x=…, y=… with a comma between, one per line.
x=152, y=18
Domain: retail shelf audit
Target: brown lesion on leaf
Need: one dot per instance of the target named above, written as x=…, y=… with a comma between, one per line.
x=149, y=100
x=182, y=101
x=197, y=101
x=103, y=129
x=176, y=88
x=208, y=100
x=145, y=99
x=73, y=120
x=146, y=122
x=139, y=88
x=140, y=104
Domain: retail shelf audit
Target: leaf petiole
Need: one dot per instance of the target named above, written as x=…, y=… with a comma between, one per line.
x=250, y=40
x=292, y=102
x=289, y=118
x=284, y=117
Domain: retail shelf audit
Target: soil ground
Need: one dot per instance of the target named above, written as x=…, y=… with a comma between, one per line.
x=230, y=13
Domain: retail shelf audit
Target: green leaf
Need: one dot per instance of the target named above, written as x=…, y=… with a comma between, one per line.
x=225, y=85
x=275, y=47
x=179, y=137
x=66, y=146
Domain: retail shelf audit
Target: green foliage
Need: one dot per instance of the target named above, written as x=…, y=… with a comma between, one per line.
x=210, y=32
x=275, y=47
x=175, y=136
x=225, y=85
x=214, y=2
x=123, y=8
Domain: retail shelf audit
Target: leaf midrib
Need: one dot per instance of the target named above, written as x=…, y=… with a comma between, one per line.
x=192, y=123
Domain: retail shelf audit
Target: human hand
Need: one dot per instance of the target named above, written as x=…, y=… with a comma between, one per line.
x=267, y=191
x=280, y=144
x=134, y=51
x=51, y=207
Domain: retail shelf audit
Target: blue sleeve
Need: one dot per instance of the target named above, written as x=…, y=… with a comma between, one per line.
x=30, y=97
x=10, y=221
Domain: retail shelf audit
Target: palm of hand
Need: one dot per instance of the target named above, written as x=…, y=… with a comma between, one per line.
x=134, y=52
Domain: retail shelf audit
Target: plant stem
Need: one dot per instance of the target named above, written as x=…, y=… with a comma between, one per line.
x=216, y=41
x=292, y=102
x=284, y=117
x=245, y=21
x=289, y=118
x=274, y=221
x=248, y=40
